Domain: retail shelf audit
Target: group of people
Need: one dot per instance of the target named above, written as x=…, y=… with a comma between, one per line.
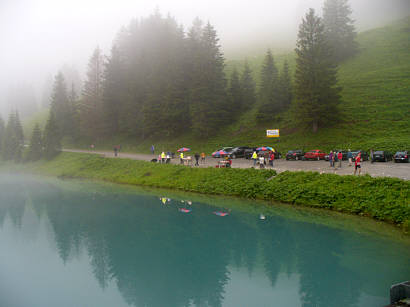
x=338, y=157
x=197, y=157
x=262, y=157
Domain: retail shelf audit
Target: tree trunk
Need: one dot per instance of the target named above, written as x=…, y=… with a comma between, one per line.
x=314, y=127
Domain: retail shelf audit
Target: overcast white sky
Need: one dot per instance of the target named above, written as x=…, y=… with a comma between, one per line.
x=39, y=36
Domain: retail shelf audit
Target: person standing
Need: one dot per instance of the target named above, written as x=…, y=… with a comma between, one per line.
x=181, y=156
x=163, y=156
x=152, y=149
x=254, y=158
x=331, y=159
x=203, y=157
x=115, y=151
x=340, y=158
x=349, y=157
x=271, y=158
x=357, y=163
x=197, y=159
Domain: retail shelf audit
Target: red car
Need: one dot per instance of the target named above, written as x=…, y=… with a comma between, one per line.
x=315, y=155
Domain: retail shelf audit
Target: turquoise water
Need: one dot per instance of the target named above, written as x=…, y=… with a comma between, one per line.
x=69, y=243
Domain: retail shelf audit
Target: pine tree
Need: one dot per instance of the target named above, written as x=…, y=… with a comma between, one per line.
x=61, y=106
x=91, y=108
x=36, y=145
x=316, y=92
x=248, y=88
x=285, y=88
x=52, y=137
x=13, y=139
x=2, y=133
x=339, y=29
x=235, y=94
x=18, y=130
x=268, y=91
x=209, y=109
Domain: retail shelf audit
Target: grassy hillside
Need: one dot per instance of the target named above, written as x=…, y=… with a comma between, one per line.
x=375, y=108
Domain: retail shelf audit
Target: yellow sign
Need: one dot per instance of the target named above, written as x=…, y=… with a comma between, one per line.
x=272, y=133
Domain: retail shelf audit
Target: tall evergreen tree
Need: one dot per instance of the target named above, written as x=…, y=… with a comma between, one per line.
x=236, y=100
x=268, y=94
x=339, y=29
x=248, y=88
x=209, y=111
x=316, y=92
x=13, y=139
x=36, y=145
x=91, y=108
x=285, y=88
x=2, y=133
x=52, y=137
x=61, y=106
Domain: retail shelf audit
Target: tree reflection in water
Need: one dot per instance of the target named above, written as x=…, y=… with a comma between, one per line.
x=160, y=257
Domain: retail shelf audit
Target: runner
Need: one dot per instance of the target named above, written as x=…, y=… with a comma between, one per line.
x=357, y=163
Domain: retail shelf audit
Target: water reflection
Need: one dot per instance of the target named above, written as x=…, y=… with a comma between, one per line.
x=157, y=256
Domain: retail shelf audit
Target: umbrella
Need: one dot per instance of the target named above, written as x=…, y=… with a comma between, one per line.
x=219, y=153
x=263, y=148
x=184, y=149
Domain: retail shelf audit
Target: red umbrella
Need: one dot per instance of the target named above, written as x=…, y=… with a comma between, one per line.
x=184, y=149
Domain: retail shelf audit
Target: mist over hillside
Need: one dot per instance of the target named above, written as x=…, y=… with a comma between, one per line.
x=41, y=37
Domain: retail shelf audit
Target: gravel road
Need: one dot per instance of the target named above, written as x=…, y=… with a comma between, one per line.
x=386, y=169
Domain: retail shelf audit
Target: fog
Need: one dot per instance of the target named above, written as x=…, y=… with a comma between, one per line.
x=40, y=37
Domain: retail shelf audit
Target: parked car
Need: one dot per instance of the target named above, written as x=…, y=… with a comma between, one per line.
x=295, y=155
x=219, y=153
x=344, y=155
x=364, y=157
x=248, y=152
x=239, y=152
x=314, y=155
x=382, y=156
x=401, y=156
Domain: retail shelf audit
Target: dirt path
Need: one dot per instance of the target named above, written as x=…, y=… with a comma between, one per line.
x=388, y=169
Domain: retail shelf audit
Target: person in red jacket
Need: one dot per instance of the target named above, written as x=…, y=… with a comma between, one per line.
x=271, y=158
x=357, y=165
x=340, y=157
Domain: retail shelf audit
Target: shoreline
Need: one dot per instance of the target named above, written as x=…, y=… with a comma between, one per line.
x=385, y=199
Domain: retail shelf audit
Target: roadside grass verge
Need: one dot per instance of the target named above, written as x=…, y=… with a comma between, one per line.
x=386, y=199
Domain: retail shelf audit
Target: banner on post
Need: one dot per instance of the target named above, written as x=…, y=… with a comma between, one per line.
x=274, y=133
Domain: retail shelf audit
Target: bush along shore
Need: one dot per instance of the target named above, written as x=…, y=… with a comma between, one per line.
x=382, y=198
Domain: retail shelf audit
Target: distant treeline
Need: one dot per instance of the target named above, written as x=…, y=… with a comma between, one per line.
x=160, y=80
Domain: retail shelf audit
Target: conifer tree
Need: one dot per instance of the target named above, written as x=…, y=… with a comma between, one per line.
x=268, y=91
x=36, y=145
x=339, y=29
x=61, y=106
x=2, y=133
x=285, y=88
x=13, y=139
x=91, y=103
x=209, y=110
x=248, y=88
x=316, y=92
x=52, y=137
x=235, y=94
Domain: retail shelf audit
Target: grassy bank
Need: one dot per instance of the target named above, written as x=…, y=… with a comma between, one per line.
x=381, y=198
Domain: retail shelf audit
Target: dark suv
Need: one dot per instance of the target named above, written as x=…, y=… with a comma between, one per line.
x=239, y=152
x=382, y=156
x=402, y=156
x=295, y=155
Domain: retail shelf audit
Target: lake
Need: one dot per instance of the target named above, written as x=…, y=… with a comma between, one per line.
x=78, y=243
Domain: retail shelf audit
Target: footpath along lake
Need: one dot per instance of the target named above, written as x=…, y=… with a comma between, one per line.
x=76, y=243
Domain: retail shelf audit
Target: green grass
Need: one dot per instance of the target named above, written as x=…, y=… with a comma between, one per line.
x=381, y=198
